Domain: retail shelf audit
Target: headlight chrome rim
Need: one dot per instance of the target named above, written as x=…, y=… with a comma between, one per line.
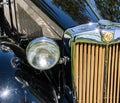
x=48, y=57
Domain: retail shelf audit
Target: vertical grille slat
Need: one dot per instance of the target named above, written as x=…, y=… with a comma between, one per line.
x=85, y=71
x=81, y=73
x=112, y=74
x=88, y=73
x=109, y=72
x=115, y=74
x=102, y=75
x=118, y=86
x=92, y=73
x=97, y=73
x=76, y=67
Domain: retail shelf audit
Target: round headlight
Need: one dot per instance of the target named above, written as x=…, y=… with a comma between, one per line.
x=42, y=53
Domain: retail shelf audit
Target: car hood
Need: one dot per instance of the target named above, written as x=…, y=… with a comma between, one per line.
x=69, y=13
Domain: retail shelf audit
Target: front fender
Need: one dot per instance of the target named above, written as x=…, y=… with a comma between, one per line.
x=13, y=91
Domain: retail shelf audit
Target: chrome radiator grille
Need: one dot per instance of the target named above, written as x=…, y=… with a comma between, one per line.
x=97, y=73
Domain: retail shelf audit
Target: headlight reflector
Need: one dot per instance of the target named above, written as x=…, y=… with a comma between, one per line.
x=42, y=53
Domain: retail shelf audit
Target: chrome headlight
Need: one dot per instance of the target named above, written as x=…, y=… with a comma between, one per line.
x=42, y=53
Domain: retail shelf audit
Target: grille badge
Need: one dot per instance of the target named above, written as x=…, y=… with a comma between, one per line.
x=108, y=37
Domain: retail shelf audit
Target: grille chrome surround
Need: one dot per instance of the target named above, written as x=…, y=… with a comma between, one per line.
x=96, y=72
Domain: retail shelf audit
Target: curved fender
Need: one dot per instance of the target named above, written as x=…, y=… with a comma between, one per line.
x=13, y=91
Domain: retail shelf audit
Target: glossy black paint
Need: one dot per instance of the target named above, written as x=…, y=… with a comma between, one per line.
x=108, y=9
x=1, y=21
x=25, y=85
x=11, y=91
x=67, y=13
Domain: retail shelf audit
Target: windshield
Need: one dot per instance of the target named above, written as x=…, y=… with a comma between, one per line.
x=69, y=13
x=108, y=9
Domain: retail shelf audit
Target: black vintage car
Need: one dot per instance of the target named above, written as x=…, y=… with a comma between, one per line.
x=59, y=51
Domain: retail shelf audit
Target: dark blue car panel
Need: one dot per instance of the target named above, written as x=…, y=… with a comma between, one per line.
x=12, y=91
x=67, y=13
x=23, y=85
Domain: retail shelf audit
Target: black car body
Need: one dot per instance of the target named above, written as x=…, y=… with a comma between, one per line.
x=87, y=34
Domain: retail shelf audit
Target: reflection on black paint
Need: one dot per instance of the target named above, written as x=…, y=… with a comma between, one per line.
x=109, y=9
x=77, y=9
x=67, y=13
x=11, y=91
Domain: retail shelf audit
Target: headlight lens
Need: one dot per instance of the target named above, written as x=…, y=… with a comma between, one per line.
x=42, y=53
